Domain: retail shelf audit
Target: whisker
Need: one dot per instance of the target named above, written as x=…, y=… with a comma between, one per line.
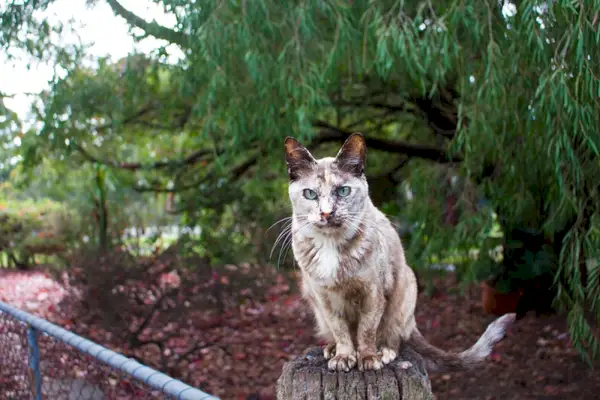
x=354, y=225
x=280, y=221
x=284, y=232
x=299, y=216
x=287, y=243
x=282, y=237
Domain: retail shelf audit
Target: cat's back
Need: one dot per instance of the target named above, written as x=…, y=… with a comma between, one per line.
x=389, y=240
x=385, y=227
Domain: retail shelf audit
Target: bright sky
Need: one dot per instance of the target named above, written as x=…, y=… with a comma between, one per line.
x=98, y=26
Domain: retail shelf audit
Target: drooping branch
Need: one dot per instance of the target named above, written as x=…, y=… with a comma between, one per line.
x=129, y=119
x=439, y=111
x=392, y=172
x=371, y=104
x=384, y=184
x=150, y=28
x=180, y=120
x=330, y=133
x=189, y=160
x=238, y=171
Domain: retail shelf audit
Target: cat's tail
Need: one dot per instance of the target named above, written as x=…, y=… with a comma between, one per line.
x=439, y=360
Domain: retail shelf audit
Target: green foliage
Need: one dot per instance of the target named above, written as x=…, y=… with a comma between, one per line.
x=30, y=227
x=10, y=129
x=490, y=119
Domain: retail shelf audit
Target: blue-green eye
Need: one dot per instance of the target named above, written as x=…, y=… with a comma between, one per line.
x=343, y=191
x=310, y=194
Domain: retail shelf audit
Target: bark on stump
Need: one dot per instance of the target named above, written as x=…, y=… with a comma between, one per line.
x=307, y=378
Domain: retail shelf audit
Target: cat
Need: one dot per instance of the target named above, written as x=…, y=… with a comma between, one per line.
x=353, y=269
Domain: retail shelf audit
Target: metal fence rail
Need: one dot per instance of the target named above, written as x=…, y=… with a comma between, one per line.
x=39, y=360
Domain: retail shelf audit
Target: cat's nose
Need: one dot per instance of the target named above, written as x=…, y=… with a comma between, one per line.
x=326, y=215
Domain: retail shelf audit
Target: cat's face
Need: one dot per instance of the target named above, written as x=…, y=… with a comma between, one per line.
x=328, y=194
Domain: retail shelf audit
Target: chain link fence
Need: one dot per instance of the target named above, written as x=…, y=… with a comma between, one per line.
x=39, y=360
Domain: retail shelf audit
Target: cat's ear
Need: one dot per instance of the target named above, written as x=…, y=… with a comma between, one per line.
x=352, y=155
x=298, y=158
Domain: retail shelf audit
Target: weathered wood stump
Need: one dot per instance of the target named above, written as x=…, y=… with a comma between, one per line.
x=307, y=378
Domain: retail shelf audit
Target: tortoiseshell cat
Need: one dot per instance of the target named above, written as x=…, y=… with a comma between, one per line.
x=354, y=273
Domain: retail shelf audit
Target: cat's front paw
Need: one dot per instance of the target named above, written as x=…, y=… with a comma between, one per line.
x=387, y=355
x=369, y=362
x=342, y=362
x=329, y=351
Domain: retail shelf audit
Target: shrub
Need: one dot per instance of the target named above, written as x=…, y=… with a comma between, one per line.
x=29, y=228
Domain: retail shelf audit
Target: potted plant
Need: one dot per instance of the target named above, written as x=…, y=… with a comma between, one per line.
x=512, y=281
x=499, y=294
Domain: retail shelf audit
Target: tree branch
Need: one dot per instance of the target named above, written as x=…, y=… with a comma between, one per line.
x=439, y=112
x=132, y=118
x=238, y=171
x=174, y=189
x=330, y=133
x=372, y=104
x=151, y=28
x=234, y=175
x=390, y=174
x=191, y=159
x=134, y=337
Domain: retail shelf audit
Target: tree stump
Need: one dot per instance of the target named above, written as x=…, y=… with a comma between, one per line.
x=307, y=378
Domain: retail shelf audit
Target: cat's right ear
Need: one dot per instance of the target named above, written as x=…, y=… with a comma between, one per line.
x=298, y=158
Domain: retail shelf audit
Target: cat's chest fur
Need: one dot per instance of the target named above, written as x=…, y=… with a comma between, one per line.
x=327, y=261
x=324, y=260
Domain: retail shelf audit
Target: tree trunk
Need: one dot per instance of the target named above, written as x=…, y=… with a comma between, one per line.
x=307, y=378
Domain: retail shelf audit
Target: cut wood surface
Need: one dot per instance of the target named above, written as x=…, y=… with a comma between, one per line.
x=307, y=378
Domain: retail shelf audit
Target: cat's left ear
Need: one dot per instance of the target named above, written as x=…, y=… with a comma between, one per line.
x=298, y=158
x=352, y=155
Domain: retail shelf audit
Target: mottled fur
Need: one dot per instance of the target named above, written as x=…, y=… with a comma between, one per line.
x=354, y=272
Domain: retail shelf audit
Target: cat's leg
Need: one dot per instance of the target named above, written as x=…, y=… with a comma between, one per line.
x=368, y=324
x=342, y=356
x=323, y=329
x=324, y=332
x=394, y=336
x=391, y=333
x=388, y=351
x=398, y=321
x=345, y=355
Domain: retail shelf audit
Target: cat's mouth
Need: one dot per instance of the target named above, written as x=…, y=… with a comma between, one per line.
x=331, y=224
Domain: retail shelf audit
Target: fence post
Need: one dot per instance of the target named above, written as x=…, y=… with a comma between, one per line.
x=35, y=377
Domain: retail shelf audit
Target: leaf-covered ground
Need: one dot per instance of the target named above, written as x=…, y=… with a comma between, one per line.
x=230, y=331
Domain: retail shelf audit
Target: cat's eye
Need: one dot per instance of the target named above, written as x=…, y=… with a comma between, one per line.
x=310, y=194
x=343, y=191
